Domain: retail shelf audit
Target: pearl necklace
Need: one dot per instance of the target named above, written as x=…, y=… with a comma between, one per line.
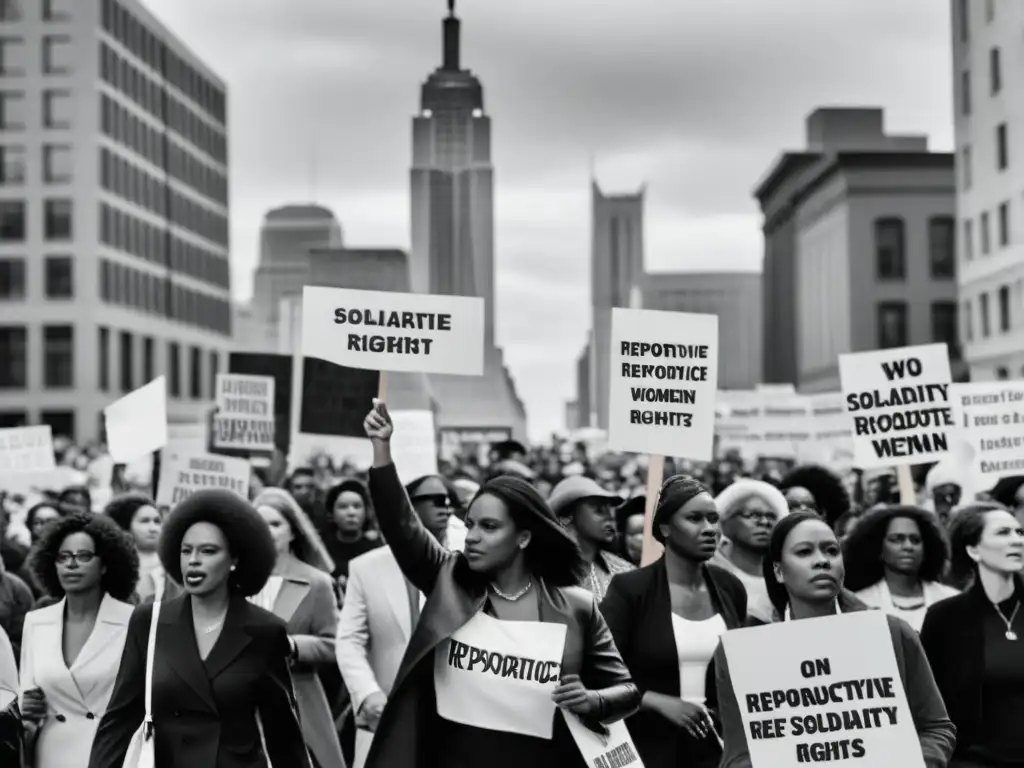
x=516, y=596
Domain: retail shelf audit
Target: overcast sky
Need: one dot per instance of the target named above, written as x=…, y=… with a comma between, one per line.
x=694, y=98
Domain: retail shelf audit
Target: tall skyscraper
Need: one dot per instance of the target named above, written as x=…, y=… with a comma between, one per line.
x=616, y=264
x=114, y=221
x=452, y=183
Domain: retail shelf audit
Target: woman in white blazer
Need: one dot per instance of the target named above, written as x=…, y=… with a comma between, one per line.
x=71, y=650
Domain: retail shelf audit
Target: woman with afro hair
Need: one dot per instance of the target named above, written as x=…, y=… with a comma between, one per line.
x=810, y=488
x=222, y=692
x=71, y=649
x=895, y=557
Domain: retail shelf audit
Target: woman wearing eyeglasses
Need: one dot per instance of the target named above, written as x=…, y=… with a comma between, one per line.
x=71, y=650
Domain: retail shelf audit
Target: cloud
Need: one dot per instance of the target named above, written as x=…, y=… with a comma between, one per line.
x=694, y=99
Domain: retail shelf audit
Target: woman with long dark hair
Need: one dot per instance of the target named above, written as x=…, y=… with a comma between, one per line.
x=519, y=566
x=804, y=574
x=894, y=559
x=975, y=640
x=666, y=619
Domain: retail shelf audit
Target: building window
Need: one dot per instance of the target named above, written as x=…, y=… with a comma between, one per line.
x=1004, y=309
x=890, y=248
x=942, y=247
x=12, y=164
x=127, y=362
x=995, y=73
x=56, y=163
x=965, y=92
x=57, y=54
x=57, y=109
x=57, y=224
x=14, y=353
x=963, y=21
x=10, y=10
x=61, y=423
x=968, y=321
x=966, y=174
x=1002, y=374
x=60, y=277
x=57, y=10
x=1002, y=150
x=892, y=324
x=104, y=359
x=944, y=326
x=148, y=359
x=12, y=56
x=58, y=356
x=986, y=327
x=196, y=373
x=12, y=279
x=1004, y=224
x=986, y=235
x=12, y=111
x=12, y=221
x=990, y=11
x=173, y=369
x=968, y=239
x=214, y=370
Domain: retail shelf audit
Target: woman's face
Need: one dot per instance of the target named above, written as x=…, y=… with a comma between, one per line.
x=280, y=531
x=1001, y=546
x=205, y=559
x=145, y=528
x=79, y=568
x=349, y=512
x=811, y=568
x=492, y=539
x=634, y=537
x=801, y=500
x=692, y=531
x=42, y=517
x=433, y=505
x=903, y=547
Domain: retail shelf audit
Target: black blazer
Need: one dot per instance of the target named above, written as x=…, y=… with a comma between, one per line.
x=954, y=641
x=204, y=713
x=638, y=609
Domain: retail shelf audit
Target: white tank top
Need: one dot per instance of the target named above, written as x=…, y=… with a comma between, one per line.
x=696, y=642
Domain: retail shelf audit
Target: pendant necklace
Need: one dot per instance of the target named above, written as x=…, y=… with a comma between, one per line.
x=1010, y=634
x=516, y=596
x=213, y=627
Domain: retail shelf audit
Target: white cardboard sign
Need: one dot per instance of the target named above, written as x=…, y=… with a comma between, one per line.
x=664, y=378
x=26, y=449
x=832, y=692
x=615, y=749
x=137, y=423
x=898, y=402
x=245, y=412
x=392, y=331
x=990, y=417
x=181, y=475
x=500, y=675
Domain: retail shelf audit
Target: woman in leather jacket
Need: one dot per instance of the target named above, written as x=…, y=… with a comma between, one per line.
x=519, y=565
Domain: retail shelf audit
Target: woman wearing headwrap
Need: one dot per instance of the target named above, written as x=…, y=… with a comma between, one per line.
x=749, y=511
x=810, y=488
x=514, y=578
x=667, y=618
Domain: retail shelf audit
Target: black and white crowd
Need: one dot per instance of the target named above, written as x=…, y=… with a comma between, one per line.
x=299, y=628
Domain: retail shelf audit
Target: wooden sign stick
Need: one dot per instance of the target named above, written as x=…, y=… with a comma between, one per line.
x=655, y=475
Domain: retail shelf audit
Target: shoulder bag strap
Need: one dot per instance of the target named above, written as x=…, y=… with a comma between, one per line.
x=150, y=650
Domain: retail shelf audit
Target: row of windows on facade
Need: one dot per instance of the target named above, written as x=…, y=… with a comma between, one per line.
x=963, y=18
x=157, y=295
x=995, y=82
x=161, y=247
x=985, y=233
x=58, y=362
x=57, y=110
x=56, y=165
x=160, y=149
x=159, y=102
x=135, y=185
x=893, y=325
x=1002, y=156
x=58, y=220
x=1005, y=311
x=49, y=10
x=148, y=48
x=891, y=248
x=58, y=278
x=57, y=56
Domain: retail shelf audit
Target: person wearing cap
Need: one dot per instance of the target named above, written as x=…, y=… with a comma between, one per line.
x=667, y=618
x=587, y=512
x=749, y=511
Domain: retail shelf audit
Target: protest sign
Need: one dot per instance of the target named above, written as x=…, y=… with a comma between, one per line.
x=500, y=675
x=137, y=423
x=278, y=367
x=613, y=749
x=832, y=692
x=661, y=401
x=181, y=475
x=990, y=419
x=392, y=331
x=335, y=398
x=245, y=413
x=26, y=449
x=898, y=401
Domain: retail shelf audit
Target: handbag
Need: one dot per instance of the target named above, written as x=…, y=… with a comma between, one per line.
x=141, y=752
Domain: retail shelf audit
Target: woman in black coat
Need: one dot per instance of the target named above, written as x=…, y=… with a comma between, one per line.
x=222, y=690
x=666, y=619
